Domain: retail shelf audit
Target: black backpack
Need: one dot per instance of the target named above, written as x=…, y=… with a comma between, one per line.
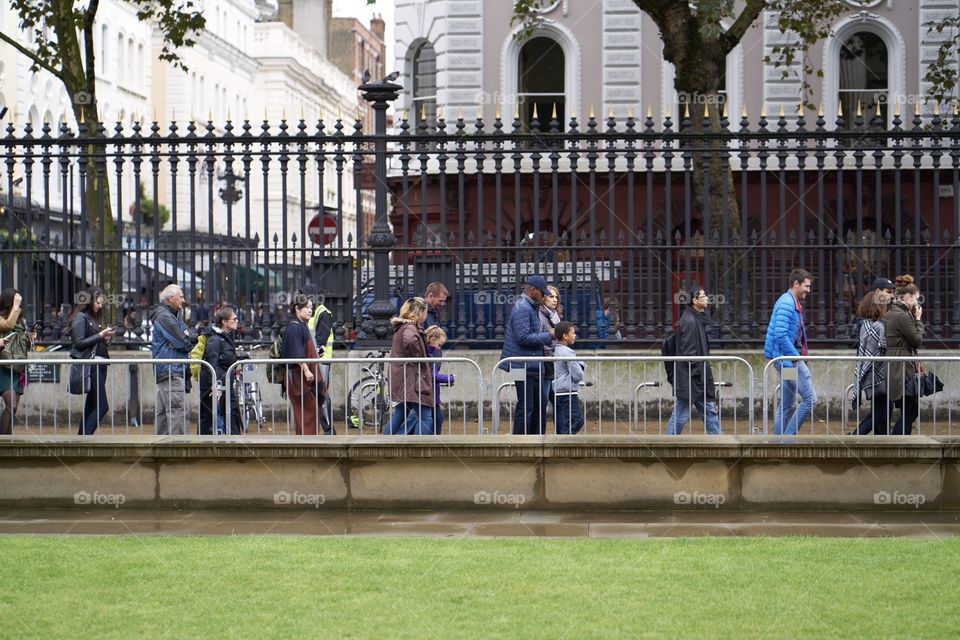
x=668, y=349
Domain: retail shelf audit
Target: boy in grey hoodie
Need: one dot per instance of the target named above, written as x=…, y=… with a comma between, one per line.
x=566, y=383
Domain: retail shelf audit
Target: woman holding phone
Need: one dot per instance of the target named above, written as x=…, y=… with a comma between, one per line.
x=90, y=341
x=11, y=384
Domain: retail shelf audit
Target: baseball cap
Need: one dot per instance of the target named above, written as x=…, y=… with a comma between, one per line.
x=882, y=283
x=539, y=282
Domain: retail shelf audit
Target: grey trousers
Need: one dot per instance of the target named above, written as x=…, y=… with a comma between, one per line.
x=171, y=406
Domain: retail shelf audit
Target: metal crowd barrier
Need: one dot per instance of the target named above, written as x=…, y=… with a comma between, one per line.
x=128, y=410
x=357, y=395
x=612, y=404
x=934, y=413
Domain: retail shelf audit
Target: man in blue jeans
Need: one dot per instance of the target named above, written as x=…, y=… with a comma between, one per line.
x=693, y=380
x=787, y=336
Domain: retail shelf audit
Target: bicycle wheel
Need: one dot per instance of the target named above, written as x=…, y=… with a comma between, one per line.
x=366, y=405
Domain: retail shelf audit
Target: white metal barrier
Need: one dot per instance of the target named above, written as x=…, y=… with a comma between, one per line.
x=357, y=394
x=622, y=385
x=934, y=412
x=120, y=408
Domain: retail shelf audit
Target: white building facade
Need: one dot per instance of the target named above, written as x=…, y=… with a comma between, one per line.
x=246, y=64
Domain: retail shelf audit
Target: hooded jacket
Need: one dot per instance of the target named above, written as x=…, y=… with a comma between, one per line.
x=220, y=353
x=410, y=382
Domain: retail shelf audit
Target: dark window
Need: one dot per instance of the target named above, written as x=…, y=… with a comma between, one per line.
x=864, y=77
x=425, y=85
x=541, y=83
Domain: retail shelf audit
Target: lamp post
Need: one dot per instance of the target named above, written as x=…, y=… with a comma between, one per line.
x=376, y=328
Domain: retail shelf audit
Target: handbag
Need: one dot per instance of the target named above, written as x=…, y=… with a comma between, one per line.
x=17, y=349
x=923, y=384
x=80, y=383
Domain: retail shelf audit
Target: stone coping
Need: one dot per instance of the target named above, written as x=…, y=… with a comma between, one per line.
x=506, y=448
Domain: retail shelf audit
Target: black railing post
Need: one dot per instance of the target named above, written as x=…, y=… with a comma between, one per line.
x=376, y=328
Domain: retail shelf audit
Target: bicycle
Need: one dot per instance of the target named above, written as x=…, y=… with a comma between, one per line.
x=367, y=404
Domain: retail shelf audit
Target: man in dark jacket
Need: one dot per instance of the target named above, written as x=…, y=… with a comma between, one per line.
x=525, y=337
x=436, y=295
x=170, y=340
x=693, y=380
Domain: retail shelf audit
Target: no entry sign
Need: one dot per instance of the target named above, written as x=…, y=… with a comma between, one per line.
x=322, y=229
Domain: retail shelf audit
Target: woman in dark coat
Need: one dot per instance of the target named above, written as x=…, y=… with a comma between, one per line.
x=305, y=385
x=90, y=341
x=904, y=332
x=220, y=353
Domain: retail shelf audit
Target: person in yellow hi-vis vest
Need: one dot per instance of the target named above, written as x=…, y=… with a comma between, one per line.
x=321, y=328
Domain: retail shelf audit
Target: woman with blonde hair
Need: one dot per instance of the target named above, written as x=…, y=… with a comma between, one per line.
x=411, y=383
x=904, y=332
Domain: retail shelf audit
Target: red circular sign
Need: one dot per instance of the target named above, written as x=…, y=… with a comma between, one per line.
x=322, y=229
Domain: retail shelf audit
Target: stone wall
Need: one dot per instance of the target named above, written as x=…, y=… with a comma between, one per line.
x=557, y=473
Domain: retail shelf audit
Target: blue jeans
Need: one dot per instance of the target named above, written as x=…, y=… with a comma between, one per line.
x=528, y=415
x=568, y=413
x=410, y=419
x=681, y=416
x=787, y=420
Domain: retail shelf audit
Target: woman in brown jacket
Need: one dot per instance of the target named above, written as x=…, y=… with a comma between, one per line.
x=904, y=333
x=411, y=383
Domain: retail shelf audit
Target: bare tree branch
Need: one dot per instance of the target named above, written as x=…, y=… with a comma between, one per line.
x=30, y=54
x=732, y=37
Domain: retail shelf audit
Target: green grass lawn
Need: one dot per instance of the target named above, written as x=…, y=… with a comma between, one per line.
x=308, y=587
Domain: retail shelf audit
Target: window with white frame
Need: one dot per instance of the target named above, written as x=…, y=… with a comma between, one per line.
x=424, y=74
x=541, y=83
x=863, y=77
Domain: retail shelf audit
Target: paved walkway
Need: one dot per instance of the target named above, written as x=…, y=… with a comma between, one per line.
x=480, y=524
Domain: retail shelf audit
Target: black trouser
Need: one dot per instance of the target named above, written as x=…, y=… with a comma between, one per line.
x=909, y=410
x=206, y=413
x=879, y=418
x=95, y=406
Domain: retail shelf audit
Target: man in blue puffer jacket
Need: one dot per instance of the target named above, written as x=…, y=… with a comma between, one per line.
x=787, y=336
x=525, y=337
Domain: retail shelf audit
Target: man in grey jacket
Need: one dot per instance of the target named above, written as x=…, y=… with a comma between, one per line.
x=171, y=341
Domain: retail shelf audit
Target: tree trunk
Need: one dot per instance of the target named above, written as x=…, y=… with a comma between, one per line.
x=80, y=83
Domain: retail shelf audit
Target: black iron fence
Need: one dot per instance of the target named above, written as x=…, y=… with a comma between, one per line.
x=622, y=215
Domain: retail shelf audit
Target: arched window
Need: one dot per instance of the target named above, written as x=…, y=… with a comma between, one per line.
x=132, y=71
x=864, y=77
x=141, y=71
x=121, y=59
x=541, y=82
x=104, y=48
x=424, y=73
